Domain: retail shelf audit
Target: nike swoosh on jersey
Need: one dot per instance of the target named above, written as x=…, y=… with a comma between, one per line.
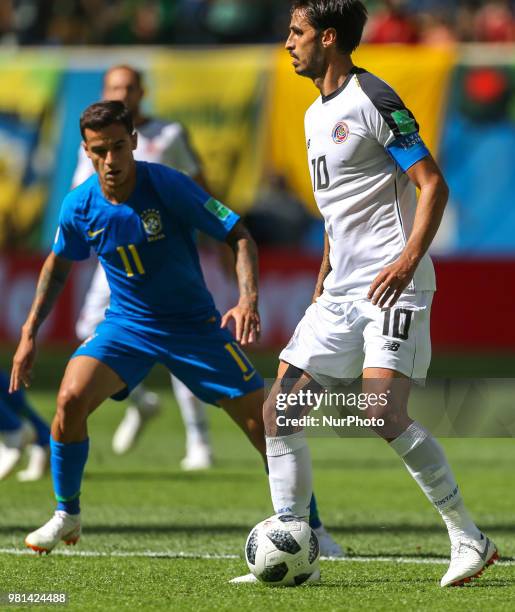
x=95, y=233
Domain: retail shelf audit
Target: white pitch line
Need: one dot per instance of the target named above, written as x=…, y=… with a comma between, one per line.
x=148, y=554
x=415, y=560
x=120, y=553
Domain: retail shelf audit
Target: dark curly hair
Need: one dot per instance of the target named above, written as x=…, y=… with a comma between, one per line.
x=103, y=114
x=347, y=17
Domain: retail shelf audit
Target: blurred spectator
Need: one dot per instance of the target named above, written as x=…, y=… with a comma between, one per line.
x=190, y=26
x=494, y=23
x=278, y=218
x=431, y=6
x=142, y=22
x=243, y=21
x=392, y=24
x=30, y=19
x=206, y=22
x=435, y=29
x=6, y=19
x=464, y=23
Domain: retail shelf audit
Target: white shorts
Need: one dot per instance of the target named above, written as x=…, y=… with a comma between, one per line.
x=338, y=341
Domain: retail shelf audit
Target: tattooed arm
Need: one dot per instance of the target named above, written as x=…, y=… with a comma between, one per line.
x=325, y=268
x=245, y=314
x=52, y=279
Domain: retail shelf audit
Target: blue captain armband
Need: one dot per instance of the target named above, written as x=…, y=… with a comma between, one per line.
x=407, y=150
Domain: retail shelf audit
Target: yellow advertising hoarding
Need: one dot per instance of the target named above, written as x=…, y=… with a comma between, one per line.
x=219, y=95
x=28, y=92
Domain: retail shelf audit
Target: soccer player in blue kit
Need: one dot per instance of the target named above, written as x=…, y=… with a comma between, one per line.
x=21, y=427
x=140, y=219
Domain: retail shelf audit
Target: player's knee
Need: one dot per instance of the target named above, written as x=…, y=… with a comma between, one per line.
x=389, y=410
x=389, y=421
x=71, y=408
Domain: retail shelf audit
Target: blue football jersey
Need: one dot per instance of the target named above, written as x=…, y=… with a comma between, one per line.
x=146, y=245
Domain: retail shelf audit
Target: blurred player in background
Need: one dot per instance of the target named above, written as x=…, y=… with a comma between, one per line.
x=371, y=307
x=20, y=428
x=141, y=219
x=164, y=143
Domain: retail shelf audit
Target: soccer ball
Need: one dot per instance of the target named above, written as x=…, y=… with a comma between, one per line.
x=282, y=550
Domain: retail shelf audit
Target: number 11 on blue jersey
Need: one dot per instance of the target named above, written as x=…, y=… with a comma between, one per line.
x=126, y=261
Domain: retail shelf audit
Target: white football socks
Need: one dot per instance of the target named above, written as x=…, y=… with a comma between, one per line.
x=426, y=462
x=290, y=474
x=193, y=413
x=137, y=395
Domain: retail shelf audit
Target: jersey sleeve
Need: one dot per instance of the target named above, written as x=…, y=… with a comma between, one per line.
x=69, y=242
x=392, y=124
x=191, y=204
x=179, y=153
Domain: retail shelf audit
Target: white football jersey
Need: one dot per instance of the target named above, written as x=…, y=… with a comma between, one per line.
x=361, y=139
x=158, y=142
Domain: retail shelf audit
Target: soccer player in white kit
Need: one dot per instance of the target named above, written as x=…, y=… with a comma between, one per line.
x=164, y=143
x=371, y=307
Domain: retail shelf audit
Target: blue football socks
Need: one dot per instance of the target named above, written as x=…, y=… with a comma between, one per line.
x=42, y=429
x=17, y=404
x=67, y=463
x=9, y=421
x=314, y=519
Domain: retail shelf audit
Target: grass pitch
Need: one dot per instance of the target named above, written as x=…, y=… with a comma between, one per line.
x=156, y=538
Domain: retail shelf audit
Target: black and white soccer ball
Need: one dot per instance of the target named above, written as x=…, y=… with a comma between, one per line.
x=282, y=550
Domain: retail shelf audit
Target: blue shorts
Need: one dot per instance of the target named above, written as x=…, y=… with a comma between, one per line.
x=204, y=356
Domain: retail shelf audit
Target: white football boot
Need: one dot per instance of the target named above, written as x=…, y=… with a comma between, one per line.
x=61, y=527
x=251, y=579
x=198, y=457
x=329, y=549
x=11, y=448
x=125, y=437
x=469, y=559
x=37, y=465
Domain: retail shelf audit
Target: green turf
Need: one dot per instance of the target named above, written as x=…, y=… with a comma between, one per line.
x=142, y=502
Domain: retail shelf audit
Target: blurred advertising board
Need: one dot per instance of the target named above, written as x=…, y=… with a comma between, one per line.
x=244, y=111
x=469, y=310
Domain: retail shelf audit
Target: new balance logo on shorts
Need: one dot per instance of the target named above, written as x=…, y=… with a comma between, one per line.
x=391, y=346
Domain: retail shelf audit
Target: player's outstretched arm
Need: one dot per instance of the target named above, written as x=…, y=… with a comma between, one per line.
x=52, y=279
x=391, y=282
x=325, y=268
x=245, y=314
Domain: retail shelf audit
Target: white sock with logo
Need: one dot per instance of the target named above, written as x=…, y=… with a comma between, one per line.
x=426, y=462
x=290, y=474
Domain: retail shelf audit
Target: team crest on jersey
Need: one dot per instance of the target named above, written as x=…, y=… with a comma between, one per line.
x=340, y=132
x=152, y=223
